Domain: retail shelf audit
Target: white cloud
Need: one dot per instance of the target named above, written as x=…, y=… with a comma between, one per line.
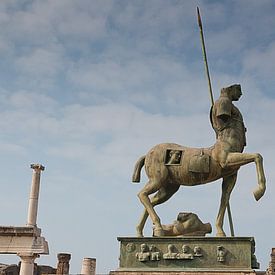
x=11, y=148
x=40, y=63
x=32, y=101
x=260, y=62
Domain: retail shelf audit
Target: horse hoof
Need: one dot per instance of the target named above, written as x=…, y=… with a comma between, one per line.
x=158, y=232
x=220, y=234
x=139, y=234
x=258, y=193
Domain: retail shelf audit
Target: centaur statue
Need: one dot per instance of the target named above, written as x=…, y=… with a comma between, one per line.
x=169, y=165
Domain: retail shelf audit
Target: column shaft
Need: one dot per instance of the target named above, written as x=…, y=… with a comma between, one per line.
x=88, y=266
x=27, y=264
x=34, y=194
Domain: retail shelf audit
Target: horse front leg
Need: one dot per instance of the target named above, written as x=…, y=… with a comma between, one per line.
x=260, y=190
x=239, y=159
x=227, y=187
x=141, y=224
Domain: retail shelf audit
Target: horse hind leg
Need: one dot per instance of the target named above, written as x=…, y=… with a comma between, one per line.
x=150, y=188
x=227, y=187
x=160, y=197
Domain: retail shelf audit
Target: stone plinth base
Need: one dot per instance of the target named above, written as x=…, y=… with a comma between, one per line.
x=187, y=255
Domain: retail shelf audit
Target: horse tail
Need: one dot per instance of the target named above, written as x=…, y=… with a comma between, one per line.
x=137, y=169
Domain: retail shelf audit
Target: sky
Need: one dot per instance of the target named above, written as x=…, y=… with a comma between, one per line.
x=87, y=87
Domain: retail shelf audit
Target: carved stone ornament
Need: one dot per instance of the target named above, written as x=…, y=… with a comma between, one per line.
x=130, y=247
x=144, y=254
x=197, y=251
x=171, y=254
x=154, y=253
x=221, y=253
x=185, y=255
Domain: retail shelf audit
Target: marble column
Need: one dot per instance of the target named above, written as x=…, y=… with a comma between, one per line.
x=63, y=265
x=34, y=194
x=27, y=263
x=88, y=266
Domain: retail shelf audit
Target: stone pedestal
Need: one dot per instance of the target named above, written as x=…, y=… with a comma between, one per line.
x=187, y=255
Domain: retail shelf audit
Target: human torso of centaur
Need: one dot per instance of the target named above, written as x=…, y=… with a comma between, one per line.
x=228, y=124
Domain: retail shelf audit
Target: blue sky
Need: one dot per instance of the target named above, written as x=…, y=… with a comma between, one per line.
x=87, y=87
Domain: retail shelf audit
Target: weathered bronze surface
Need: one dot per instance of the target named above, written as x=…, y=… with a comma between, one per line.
x=170, y=165
x=187, y=224
x=187, y=253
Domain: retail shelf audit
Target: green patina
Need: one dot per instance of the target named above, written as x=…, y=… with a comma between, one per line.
x=187, y=253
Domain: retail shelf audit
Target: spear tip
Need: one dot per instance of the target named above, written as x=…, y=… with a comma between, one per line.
x=199, y=17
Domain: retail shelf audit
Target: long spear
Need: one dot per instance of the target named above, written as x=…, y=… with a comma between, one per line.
x=212, y=102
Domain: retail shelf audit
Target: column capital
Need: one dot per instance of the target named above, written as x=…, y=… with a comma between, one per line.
x=28, y=257
x=64, y=257
x=27, y=263
x=38, y=167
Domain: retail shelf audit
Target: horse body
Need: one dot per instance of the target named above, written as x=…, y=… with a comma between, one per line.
x=185, y=171
x=169, y=165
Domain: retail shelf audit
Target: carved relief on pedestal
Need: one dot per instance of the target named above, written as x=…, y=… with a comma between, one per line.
x=155, y=254
x=144, y=254
x=171, y=254
x=185, y=255
x=149, y=252
x=221, y=253
x=197, y=251
x=130, y=247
